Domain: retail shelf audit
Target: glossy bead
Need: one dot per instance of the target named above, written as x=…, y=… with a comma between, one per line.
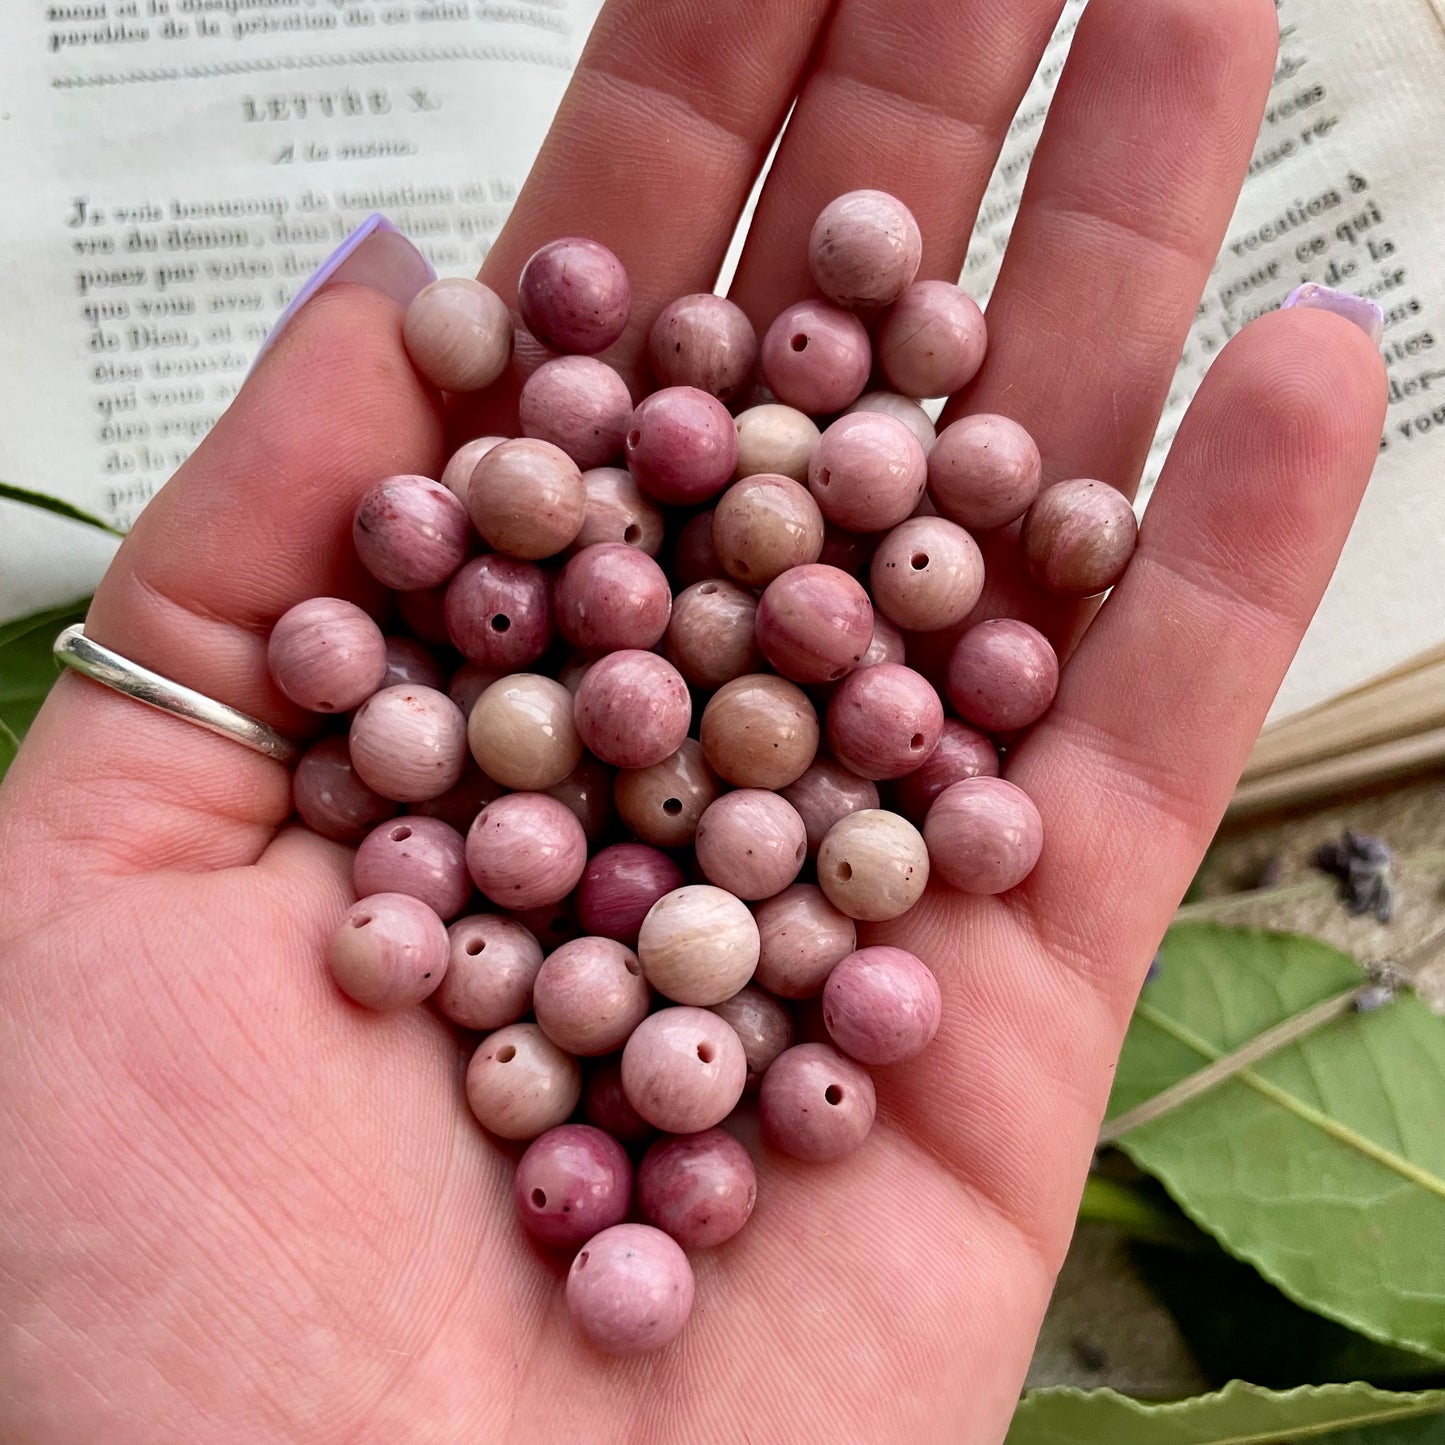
x=572, y=1181
x=816, y=357
x=698, y=945
x=763, y=1026
x=457, y=475
x=424, y=614
x=884, y=721
x=868, y=472
x=410, y=532
x=960, y=753
x=1002, y=675
x=389, y=951
x=759, y=731
x=330, y=799
x=764, y=525
x=826, y=792
x=775, y=440
x=927, y=574
x=710, y=637
x=526, y=498
x=605, y=1106
x=326, y=655
x=681, y=445
x=694, y=558
x=630, y=1290
x=699, y=1188
x=494, y=963
x=462, y=801
x=984, y=834
x=932, y=341
x=586, y=792
x=1078, y=537
x=751, y=842
x=864, y=249
x=983, y=471
x=526, y=850
x=683, y=1070
x=578, y=404
x=814, y=623
x=704, y=341
x=904, y=409
x=662, y=804
x=873, y=865
x=408, y=661
x=422, y=857
x=458, y=334
x=882, y=1006
x=590, y=995
x=620, y=885
x=801, y=935
x=408, y=743
x=521, y=732
x=619, y=511
x=612, y=596
x=520, y=1084
x=887, y=645
x=574, y=296
x=497, y=613
x=815, y=1104
x=633, y=709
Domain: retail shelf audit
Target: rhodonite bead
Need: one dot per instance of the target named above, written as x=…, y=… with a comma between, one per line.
x=985, y=835
x=458, y=334
x=574, y=296
x=424, y=613
x=704, y=341
x=522, y=734
x=620, y=885
x=1078, y=537
x=849, y=552
x=815, y=1104
x=764, y=525
x=329, y=797
x=630, y=1289
x=888, y=644
x=1002, y=675
x=683, y=1070
x=700, y=1188
x=662, y=804
x=904, y=409
x=526, y=498
x=882, y=1005
x=422, y=857
x=825, y=793
x=884, y=721
x=611, y=596
x=682, y=445
x=526, y=850
x=710, y=637
x=410, y=532
x=587, y=793
x=983, y=471
x=873, y=865
x=552, y=925
x=763, y=1026
x=604, y=1103
x=520, y=1084
x=580, y=405
x=497, y=613
x=801, y=936
x=573, y=1181
x=457, y=475
x=776, y=440
x=408, y=743
x=694, y=558
x=926, y=574
x=389, y=951
x=759, y=731
x=698, y=945
x=751, y=842
x=462, y=801
x=864, y=249
x=867, y=472
x=590, y=995
x=814, y=623
x=932, y=341
x=961, y=753
x=408, y=661
x=619, y=511
x=494, y=963
x=326, y=655
x=816, y=357
x=633, y=709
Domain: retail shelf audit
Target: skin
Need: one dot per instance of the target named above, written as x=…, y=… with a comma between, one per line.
x=238, y=1210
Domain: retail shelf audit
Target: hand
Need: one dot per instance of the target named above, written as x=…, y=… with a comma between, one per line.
x=238, y=1209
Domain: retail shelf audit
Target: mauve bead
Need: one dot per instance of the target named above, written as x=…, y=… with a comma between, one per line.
x=604, y=1102
x=682, y=445
x=572, y=1181
x=522, y=734
x=801, y=936
x=457, y=475
x=751, y=842
x=407, y=660
x=620, y=885
x=817, y=1105
x=662, y=804
x=1002, y=675
x=698, y=945
x=763, y=1026
x=983, y=471
x=579, y=404
x=574, y=295
x=586, y=792
x=932, y=340
x=699, y=1188
x=849, y=552
x=759, y=731
x=816, y=357
x=764, y=525
x=888, y=644
x=630, y=1290
x=927, y=574
x=633, y=709
x=884, y=721
x=408, y=743
x=330, y=799
x=526, y=850
x=494, y=963
x=904, y=409
x=551, y=926
x=868, y=472
x=960, y=753
x=694, y=559
x=389, y=951
x=882, y=1006
x=527, y=499
x=424, y=613
x=873, y=865
x=826, y=792
x=611, y=596
x=814, y=623
x=458, y=334
x=619, y=511
x=520, y=1084
x=498, y=614
x=684, y=1069
x=326, y=655
x=590, y=995
x=462, y=801
x=864, y=249
x=985, y=835
x=710, y=637
x=410, y=533
x=1078, y=537
x=775, y=440
x=704, y=341
x=422, y=857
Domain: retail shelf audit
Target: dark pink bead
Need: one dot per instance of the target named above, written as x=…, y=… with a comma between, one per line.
x=815, y=1104
x=825, y=793
x=694, y=558
x=425, y=615
x=330, y=799
x=849, y=552
x=618, y=887
x=410, y=532
x=630, y=1289
x=526, y=850
x=552, y=925
x=704, y=341
x=882, y=1005
x=574, y=296
x=573, y=1181
x=814, y=623
x=984, y=835
x=816, y=357
x=764, y=1026
x=884, y=721
x=408, y=661
x=579, y=404
x=867, y=472
x=463, y=800
x=699, y=1188
x=326, y=655
x=932, y=341
x=605, y=1104
x=633, y=709
x=612, y=596
x=587, y=793
x=494, y=963
x=1002, y=675
x=498, y=614
x=682, y=445
x=961, y=753
x=423, y=857
x=888, y=644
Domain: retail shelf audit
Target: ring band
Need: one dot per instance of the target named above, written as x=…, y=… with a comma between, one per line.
x=75, y=650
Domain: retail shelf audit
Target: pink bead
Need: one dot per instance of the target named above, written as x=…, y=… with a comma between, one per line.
x=424, y=614
x=551, y=926
x=410, y=532
x=612, y=596
x=961, y=753
x=408, y=661
x=984, y=835
x=681, y=445
x=867, y=472
x=801, y=936
x=864, y=249
x=526, y=498
x=326, y=655
x=884, y=721
x=526, y=850
x=520, y=1084
x=700, y=1189
x=574, y=296
x=763, y=1026
x=927, y=574
x=630, y=1290
x=408, y=743
x=620, y=885
x=421, y=857
x=710, y=637
x=390, y=951
x=882, y=1006
x=618, y=511
x=983, y=471
x=825, y=793
x=590, y=995
x=814, y=623
x=579, y=404
x=704, y=341
x=751, y=842
x=698, y=945
x=457, y=476
x=817, y=1105
x=605, y=1104
x=488, y=983
x=775, y=440
x=873, y=865
x=816, y=357
x=663, y=804
x=587, y=793
x=572, y=1182
x=1078, y=537
x=330, y=799
x=849, y=552
x=462, y=801
x=932, y=341
x=458, y=334
x=498, y=614
x=683, y=1070
x=633, y=709
x=764, y=525
x=904, y=409
x=521, y=732
x=759, y=732
x=1002, y=675
x=888, y=644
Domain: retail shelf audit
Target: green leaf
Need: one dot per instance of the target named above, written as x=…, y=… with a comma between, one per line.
x=46, y=503
x=1239, y=1414
x=1324, y=1165
x=28, y=671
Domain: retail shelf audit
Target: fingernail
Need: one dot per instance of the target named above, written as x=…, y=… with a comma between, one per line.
x=1366, y=314
x=375, y=254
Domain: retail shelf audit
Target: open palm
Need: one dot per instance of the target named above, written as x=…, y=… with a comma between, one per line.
x=238, y=1209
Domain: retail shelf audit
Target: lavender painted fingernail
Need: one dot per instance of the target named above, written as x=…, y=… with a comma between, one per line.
x=1366, y=314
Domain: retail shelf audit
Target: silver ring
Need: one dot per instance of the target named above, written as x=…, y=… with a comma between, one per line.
x=75, y=650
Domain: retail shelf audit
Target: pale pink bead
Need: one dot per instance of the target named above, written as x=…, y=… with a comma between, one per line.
x=867, y=472
x=983, y=471
x=763, y=1026
x=389, y=951
x=498, y=614
x=864, y=249
x=662, y=804
x=574, y=296
x=801, y=936
x=932, y=341
x=888, y=644
x=700, y=1188
x=526, y=850
x=704, y=341
x=873, y=865
x=494, y=963
x=759, y=731
x=826, y=792
x=410, y=532
x=526, y=498
x=604, y=1102
x=776, y=440
x=521, y=732
x=683, y=1070
x=882, y=1006
x=572, y=1182
x=520, y=1084
x=751, y=842
x=630, y=1290
x=326, y=655
x=961, y=753
x=408, y=661
x=620, y=885
x=904, y=408
x=469, y=682
x=590, y=995
x=1078, y=537
x=330, y=799
x=694, y=558
x=579, y=404
x=815, y=1104
x=698, y=945
x=927, y=574
x=764, y=525
x=816, y=357
x=884, y=721
x=619, y=511
x=457, y=475
x=408, y=743
x=458, y=334
x=612, y=596
x=633, y=709
x=710, y=636
x=1002, y=675
x=587, y=794
x=984, y=834
x=422, y=857
x=462, y=801
x=681, y=445
x=814, y=623
x=424, y=614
